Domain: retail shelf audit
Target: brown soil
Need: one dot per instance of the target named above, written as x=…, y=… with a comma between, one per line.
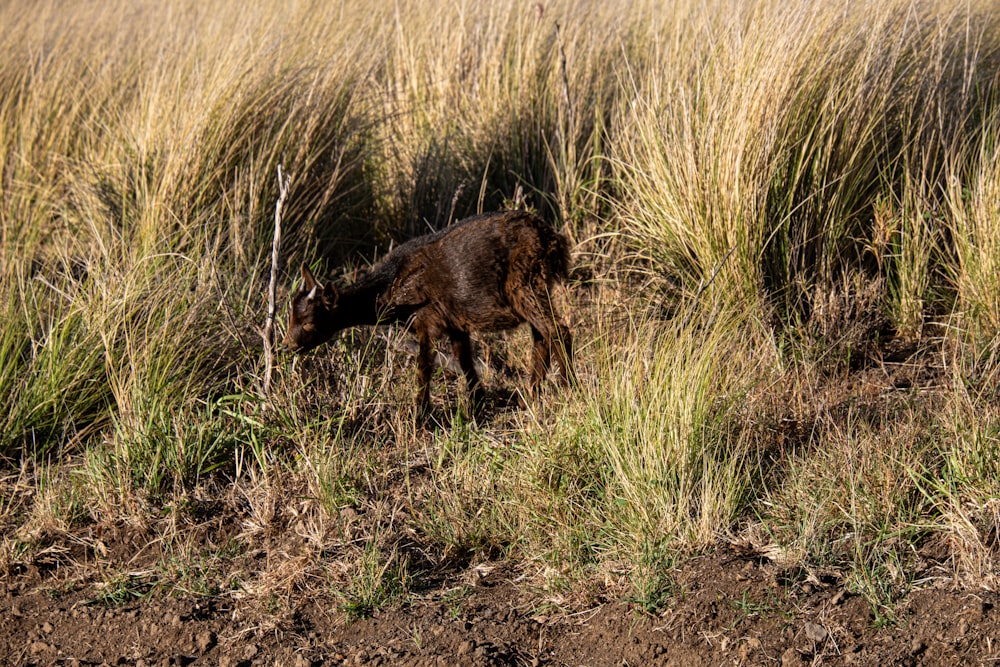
x=726, y=608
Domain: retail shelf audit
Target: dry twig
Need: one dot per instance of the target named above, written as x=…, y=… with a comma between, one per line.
x=284, y=181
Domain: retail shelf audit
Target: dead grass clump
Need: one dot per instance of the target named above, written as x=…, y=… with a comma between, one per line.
x=848, y=324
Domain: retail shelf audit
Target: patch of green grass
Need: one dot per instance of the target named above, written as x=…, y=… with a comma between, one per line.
x=750, y=607
x=122, y=588
x=380, y=578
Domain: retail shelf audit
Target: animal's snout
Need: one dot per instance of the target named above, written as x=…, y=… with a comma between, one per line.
x=298, y=341
x=288, y=344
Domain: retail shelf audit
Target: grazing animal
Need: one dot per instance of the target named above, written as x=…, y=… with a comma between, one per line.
x=486, y=273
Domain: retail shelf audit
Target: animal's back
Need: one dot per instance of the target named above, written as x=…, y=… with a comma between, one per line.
x=470, y=271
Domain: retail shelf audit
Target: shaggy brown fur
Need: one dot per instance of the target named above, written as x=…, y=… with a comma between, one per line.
x=486, y=273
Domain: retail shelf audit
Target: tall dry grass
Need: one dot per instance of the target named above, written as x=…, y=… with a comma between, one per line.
x=770, y=206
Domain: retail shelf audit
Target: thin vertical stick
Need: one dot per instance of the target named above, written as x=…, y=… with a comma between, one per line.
x=284, y=181
x=567, y=99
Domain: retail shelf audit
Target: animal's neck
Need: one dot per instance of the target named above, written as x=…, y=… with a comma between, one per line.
x=359, y=303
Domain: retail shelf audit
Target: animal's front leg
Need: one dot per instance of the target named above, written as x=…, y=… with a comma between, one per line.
x=461, y=347
x=428, y=330
x=425, y=365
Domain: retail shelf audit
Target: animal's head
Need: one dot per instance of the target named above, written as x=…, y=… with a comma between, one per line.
x=311, y=316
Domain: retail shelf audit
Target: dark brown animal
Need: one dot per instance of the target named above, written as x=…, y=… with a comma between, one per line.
x=486, y=273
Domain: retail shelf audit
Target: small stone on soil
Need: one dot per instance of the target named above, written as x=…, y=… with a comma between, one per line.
x=815, y=632
x=39, y=647
x=917, y=647
x=790, y=658
x=205, y=641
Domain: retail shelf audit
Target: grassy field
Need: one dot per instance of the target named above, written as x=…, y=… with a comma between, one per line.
x=786, y=230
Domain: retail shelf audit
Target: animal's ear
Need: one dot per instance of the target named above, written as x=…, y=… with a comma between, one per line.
x=330, y=295
x=308, y=281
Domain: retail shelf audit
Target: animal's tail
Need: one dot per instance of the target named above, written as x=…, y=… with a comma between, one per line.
x=557, y=258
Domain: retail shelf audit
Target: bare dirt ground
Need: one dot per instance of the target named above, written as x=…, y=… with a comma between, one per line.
x=728, y=608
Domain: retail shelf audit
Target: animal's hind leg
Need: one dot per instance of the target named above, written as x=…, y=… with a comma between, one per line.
x=461, y=347
x=551, y=337
x=540, y=358
x=562, y=347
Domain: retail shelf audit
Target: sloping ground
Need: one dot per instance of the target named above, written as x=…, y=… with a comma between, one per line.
x=728, y=608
